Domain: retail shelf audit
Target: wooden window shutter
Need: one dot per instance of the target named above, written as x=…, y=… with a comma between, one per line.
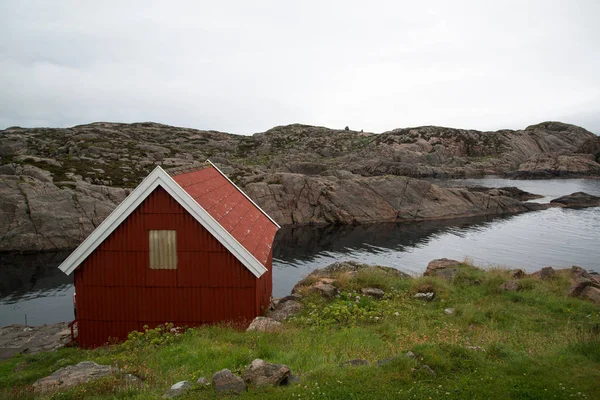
x=163, y=249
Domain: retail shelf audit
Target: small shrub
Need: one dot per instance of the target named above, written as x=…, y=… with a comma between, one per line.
x=162, y=334
x=350, y=308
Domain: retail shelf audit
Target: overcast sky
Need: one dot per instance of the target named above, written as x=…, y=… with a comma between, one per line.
x=246, y=66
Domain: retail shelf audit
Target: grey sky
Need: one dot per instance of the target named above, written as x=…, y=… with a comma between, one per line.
x=246, y=66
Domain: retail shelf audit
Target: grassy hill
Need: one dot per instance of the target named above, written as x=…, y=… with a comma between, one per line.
x=530, y=343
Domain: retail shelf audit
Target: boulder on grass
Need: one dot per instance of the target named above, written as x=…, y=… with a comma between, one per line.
x=579, y=286
x=285, y=310
x=83, y=372
x=427, y=296
x=578, y=272
x=178, y=389
x=373, y=292
x=324, y=289
x=264, y=324
x=225, y=382
x=591, y=293
x=545, y=273
x=443, y=267
x=293, y=296
x=262, y=373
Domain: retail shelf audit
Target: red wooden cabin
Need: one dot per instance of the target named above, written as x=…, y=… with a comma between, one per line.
x=189, y=249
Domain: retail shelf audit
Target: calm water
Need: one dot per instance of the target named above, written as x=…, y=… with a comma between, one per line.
x=33, y=285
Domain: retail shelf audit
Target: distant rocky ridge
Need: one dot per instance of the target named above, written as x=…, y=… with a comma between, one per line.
x=56, y=185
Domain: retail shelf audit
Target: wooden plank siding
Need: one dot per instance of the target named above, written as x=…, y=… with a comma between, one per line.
x=118, y=292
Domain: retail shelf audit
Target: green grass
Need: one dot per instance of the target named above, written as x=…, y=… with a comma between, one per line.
x=534, y=343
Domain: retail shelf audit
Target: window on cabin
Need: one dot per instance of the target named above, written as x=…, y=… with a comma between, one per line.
x=163, y=249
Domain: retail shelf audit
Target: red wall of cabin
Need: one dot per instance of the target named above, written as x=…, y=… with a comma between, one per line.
x=117, y=292
x=264, y=287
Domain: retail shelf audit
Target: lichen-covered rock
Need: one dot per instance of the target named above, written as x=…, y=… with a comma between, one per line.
x=578, y=286
x=591, y=293
x=83, y=372
x=264, y=324
x=427, y=296
x=293, y=296
x=323, y=289
x=578, y=272
x=177, y=389
x=262, y=373
x=33, y=339
x=373, y=292
x=225, y=382
x=443, y=267
x=545, y=273
x=285, y=310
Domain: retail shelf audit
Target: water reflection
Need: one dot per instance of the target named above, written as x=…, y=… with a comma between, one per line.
x=299, y=250
x=306, y=243
x=32, y=287
x=27, y=275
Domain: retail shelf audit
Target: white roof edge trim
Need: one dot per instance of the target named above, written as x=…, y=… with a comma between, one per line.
x=242, y=192
x=158, y=177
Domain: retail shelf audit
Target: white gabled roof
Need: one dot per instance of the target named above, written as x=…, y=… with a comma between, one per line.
x=159, y=177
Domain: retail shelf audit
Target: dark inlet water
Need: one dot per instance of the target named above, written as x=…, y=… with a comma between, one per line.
x=33, y=285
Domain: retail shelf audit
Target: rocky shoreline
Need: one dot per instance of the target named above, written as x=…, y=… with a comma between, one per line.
x=323, y=282
x=57, y=185
x=434, y=203
x=23, y=339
